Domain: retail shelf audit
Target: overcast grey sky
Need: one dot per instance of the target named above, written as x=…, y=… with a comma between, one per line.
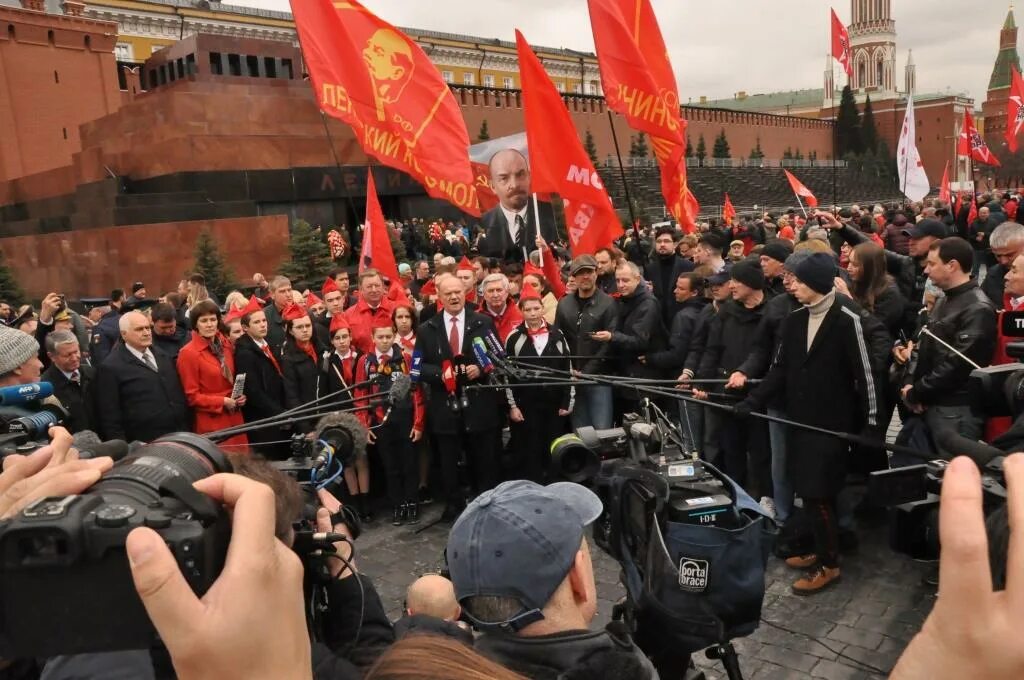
x=719, y=48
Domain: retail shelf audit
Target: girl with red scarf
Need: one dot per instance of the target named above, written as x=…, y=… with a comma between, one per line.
x=206, y=366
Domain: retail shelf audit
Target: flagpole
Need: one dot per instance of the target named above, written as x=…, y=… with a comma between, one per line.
x=835, y=143
x=536, y=216
x=801, y=203
x=622, y=170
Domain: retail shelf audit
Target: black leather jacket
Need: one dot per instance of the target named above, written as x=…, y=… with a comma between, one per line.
x=577, y=318
x=966, y=320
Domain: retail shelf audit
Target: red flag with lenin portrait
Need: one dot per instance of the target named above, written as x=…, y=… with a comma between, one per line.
x=373, y=77
x=640, y=85
x=558, y=162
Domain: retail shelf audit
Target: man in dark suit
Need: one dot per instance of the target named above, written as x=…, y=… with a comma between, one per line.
x=72, y=382
x=510, y=229
x=264, y=387
x=664, y=269
x=280, y=297
x=444, y=354
x=141, y=394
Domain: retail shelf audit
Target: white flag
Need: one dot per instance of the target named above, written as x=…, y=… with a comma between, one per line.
x=913, y=180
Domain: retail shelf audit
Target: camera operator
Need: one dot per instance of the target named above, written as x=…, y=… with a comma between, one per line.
x=965, y=322
x=522, y=572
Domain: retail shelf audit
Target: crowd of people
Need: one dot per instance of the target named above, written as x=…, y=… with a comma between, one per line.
x=838, y=321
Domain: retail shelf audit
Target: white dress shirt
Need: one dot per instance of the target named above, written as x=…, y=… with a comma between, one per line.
x=513, y=228
x=141, y=356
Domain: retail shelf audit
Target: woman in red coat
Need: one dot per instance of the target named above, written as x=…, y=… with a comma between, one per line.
x=206, y=366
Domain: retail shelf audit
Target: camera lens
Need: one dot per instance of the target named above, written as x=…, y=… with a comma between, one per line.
x=140, y=475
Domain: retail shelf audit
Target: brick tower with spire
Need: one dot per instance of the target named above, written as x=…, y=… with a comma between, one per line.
x=994, y=107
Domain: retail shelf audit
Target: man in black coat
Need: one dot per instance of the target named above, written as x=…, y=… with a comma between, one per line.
x=72, y=381
x=510, y=229
x=140, y=393
x=744, y=445
x=444, y=355
x=823, y=375
x=280, y=297
x=663, y=270
x=1007, y=242
x=264, y=387
x=106, y=333
x=689, y=296
x=168, y=335
x=639, y=329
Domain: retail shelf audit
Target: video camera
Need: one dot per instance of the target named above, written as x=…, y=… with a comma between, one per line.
x=692, y=544
x=912, y=492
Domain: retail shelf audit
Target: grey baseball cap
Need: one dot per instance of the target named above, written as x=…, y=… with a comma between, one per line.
x=519, y=540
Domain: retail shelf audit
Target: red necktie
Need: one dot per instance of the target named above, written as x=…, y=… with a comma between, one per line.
x=273, y=359
x=453, y=338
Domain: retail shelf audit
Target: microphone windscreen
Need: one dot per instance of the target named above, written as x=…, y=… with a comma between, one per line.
x=400, y=386
x=349, y=424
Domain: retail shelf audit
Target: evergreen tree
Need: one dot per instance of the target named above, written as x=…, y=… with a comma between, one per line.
x=721, y=148
x=310, y=256
x=689, y=147
x=211, y=264
x=787, y=155
x=484, y=133
x=848, y=125
x=756, y=153
x=868, y=130
x=798, y=155
x=702, y=149
x=590, y=146
x=10, y=289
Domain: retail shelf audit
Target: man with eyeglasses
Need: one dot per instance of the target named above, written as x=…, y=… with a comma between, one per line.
x=1006, y=242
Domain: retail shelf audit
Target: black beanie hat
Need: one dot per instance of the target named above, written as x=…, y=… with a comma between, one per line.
x=749, y=273
x=778, y=250
x=817, y=272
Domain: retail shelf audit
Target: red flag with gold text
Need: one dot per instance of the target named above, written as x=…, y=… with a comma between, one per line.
x=559, y=163
x=373, y=77
x=640, y=85
x=376, y=252
x=1014, y=109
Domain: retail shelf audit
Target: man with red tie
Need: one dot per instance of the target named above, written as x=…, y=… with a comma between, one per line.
x=465, y=423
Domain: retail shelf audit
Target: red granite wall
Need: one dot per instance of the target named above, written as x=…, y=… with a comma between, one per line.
x=94, y=261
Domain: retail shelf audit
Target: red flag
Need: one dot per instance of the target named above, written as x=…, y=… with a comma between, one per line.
x=800, y=190
x=841, y=45
x=376, y=253
x=558, y=162
x=972, y=214
x=640, y=85
x=971, y=144
x=369, y=74
x=728, y=212
x=1014, y=110
x=945, y=194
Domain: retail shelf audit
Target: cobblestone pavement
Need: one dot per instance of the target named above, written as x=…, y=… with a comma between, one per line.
x=867, y=618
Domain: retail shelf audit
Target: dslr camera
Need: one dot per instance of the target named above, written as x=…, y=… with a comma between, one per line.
x=65, y=584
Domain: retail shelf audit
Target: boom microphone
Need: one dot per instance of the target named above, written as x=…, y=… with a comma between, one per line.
x=400, y=386
x=89, y=445
x=18, y=395
x=980, y=452
x=344, y=433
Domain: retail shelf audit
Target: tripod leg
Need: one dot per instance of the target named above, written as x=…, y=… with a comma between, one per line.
x=726, y=653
